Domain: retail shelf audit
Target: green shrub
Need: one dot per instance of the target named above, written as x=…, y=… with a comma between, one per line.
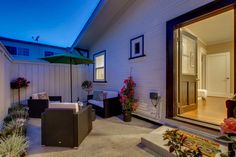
x=14, y=145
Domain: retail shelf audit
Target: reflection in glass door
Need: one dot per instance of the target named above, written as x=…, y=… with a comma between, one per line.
x=188, y=72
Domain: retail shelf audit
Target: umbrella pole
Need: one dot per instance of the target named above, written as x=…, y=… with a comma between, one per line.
x=70, y=80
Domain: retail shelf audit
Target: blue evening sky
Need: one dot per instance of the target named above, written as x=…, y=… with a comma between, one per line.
x=57, y=22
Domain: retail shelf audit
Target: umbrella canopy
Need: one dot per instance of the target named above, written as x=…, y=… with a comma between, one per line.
x=68, y=58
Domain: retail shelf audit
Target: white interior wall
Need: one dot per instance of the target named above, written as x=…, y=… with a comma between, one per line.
x=51, y=78
x=5, y=64
x=201, y=50
x=147, y=17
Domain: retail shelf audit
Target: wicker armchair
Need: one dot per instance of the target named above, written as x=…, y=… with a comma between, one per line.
x=65, y=127
x=109, y=107
x=38, y=106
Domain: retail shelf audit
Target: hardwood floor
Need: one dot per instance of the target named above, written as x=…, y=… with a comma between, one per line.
x=213, y=110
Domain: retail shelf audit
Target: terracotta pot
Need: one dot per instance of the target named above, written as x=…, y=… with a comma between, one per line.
x=127, y=116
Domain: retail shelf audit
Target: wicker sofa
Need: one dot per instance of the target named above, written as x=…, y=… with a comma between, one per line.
x=38, y=106
x=65, y=127
x=108, y=107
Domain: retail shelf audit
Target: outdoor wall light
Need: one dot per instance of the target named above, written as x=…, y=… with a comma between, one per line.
x=155, y=99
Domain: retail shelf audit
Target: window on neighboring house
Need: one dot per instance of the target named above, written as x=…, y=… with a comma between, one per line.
x=22, y=51
x=99, y=67
x=17, y=51
x=11, y=50
x=48, y=53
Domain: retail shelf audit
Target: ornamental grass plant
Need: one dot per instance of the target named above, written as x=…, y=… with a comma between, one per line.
x=13, y=142
x=13, y=146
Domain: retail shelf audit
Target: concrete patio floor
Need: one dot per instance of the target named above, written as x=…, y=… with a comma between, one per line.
x=109, y=138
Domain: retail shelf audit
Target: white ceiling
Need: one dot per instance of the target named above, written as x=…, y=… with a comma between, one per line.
x=214, y=30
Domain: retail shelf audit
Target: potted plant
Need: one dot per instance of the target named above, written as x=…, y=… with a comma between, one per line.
x=87, y=86
x=176, y=142
x=127, y=99
x=18, y=84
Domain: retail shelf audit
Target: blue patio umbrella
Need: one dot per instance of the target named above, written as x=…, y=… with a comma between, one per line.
x=68, y=58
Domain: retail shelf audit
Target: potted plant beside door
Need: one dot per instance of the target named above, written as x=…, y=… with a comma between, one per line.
x=127, y=99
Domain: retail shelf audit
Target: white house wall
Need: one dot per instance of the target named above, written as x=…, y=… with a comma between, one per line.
x=5, y=65
x=51, y=78
x=146, y=17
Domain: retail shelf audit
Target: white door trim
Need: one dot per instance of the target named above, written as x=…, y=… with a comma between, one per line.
x=227, y=77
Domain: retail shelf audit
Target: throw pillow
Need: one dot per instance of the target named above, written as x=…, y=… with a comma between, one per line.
x=35, y=96
x=98, y=95
x=104, y=95
x=43, y=96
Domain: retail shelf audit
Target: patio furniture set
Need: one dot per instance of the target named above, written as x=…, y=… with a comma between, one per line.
x=67, y=124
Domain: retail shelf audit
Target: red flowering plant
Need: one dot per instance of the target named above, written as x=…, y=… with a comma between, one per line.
x=228, y=128
x=18, y=84
x=127, y=96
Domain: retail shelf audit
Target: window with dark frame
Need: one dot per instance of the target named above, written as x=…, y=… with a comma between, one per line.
x=11, y=50
x=22, y=51
x=100, y=67
x=17, y=51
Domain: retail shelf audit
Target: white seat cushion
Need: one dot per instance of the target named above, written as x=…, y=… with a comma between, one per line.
x=97, y=103
x=42, y=95
x=111, y=94
x=66, y=105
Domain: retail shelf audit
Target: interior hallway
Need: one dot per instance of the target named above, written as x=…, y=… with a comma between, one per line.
x=212, y=111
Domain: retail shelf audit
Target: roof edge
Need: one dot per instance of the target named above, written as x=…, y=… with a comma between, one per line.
x=28, y=42
x=89, y=21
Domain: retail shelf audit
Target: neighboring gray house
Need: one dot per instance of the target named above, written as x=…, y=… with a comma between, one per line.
x=24, y=50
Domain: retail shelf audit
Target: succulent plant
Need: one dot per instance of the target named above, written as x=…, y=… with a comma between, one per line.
x=16, y=126
x=16, y=108
x=14, y=145
x=20, y=114
x=16, y=114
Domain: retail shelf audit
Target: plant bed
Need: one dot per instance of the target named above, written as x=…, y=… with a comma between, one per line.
x=13, y=141
x=186, y=144
x=156, y=143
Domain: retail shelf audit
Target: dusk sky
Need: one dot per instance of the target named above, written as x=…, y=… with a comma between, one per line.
x=57, y=22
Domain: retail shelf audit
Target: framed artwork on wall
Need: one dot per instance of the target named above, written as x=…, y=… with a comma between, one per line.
x=137, y=47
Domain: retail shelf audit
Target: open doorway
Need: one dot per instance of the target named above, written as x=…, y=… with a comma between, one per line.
x=205, y=68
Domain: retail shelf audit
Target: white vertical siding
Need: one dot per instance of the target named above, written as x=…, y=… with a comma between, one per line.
x=51, y=78
x=146, y=17
x=5, y=64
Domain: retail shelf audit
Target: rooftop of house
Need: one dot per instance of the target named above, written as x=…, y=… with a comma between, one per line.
x=28, y=42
